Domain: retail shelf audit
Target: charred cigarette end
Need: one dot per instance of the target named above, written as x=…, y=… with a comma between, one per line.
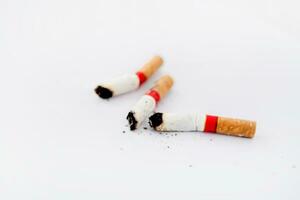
x=132, y=121
x=103, y=92
x=156, y=120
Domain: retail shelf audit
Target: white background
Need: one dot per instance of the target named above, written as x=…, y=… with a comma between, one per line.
x=234, y=58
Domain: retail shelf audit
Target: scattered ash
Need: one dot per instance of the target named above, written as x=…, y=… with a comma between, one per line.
x=123, y=131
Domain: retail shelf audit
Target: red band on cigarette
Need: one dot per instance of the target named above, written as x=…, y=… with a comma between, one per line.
x=154, y=94
x=141, y=77
x=211, y=124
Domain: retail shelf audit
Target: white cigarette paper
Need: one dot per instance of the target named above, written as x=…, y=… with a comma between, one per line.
x=182, y=122
x=123, y=84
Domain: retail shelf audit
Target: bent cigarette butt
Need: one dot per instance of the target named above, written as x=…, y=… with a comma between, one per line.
x=146, y=105
x=129, y=82
x=204, y=123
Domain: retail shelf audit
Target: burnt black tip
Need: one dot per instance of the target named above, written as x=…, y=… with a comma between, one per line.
x=156, y=120
x=103, y=92
x=132, y=121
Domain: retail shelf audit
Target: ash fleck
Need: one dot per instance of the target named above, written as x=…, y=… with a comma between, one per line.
x=190, y=165
x=123, y=131
x=168, y=147
x=175, y=134
x=145, y=128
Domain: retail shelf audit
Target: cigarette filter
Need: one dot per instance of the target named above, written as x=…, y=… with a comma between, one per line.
x=129, y=82
x=204, y=123
x=146, y=105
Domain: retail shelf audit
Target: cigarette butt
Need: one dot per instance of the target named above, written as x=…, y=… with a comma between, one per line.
x=204, y=123
x=146, y=105
x=128, y=82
